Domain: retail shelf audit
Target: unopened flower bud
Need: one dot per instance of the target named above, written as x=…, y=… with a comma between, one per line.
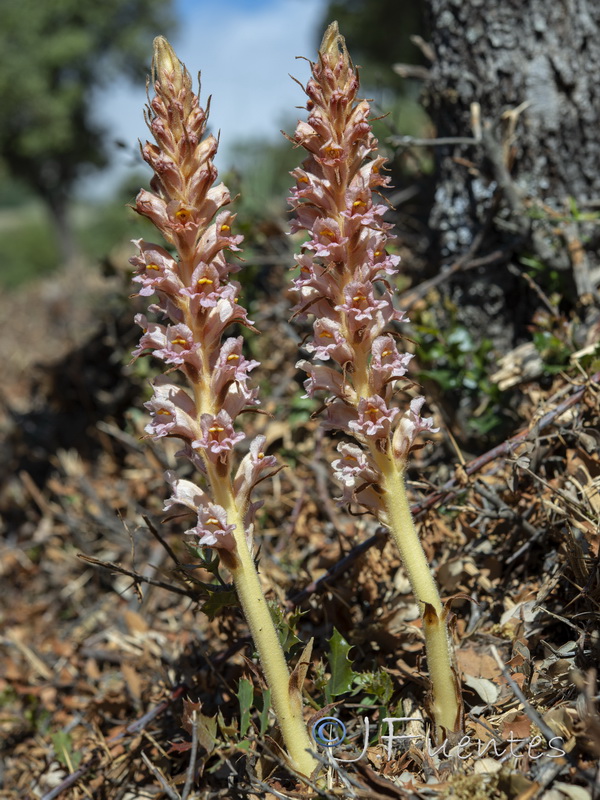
x=167, y=69
x=333, y=45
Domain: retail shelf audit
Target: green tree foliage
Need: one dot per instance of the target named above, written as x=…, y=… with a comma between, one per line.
x=55, y=53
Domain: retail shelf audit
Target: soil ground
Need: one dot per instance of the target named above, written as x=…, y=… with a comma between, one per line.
x=105, y=652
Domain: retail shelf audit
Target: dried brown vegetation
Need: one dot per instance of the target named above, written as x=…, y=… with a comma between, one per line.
x=103, y=667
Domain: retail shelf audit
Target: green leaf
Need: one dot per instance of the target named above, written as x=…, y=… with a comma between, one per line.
x=206, y=727
x=244, y=745
x=245, y=696
x=63, y=747
x=286, y=628
x=264, y=714
x=461, y=337
x=486, y=422
x=378, y=684
x=552, y=350
x=445, y=378
x=573, y=208
x=222, y=598
x=228, y=729
x=342, y=674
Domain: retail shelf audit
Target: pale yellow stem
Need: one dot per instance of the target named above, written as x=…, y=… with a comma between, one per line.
x=264, y=634
x=446, y=701
x=254, y=605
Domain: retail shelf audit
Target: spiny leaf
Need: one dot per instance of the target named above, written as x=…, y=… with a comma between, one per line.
x=218, y=600
x=286, y=628
x=342, y=674
x=206, y=727
x=378, y=684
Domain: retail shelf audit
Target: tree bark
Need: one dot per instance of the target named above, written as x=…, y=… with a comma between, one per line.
x=529, y=69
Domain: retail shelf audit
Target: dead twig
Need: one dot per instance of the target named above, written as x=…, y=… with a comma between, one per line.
x=412, y=141
x=546, y=731
x=338, y=569
x=171, y=793
x=462, y=264
x=154, y=531
x=448, y=490
x=135, y=576
x=132, y=729
x=507, y=448
x=411, y=71
x=187, y=788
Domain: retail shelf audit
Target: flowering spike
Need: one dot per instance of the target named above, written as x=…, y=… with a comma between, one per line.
x=198, y=301
x=343, y=284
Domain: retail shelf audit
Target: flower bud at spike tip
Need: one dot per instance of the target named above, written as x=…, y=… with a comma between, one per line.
x=333, y=45
x=167, y=68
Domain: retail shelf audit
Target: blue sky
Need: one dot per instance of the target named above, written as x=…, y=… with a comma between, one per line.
x=245, y=50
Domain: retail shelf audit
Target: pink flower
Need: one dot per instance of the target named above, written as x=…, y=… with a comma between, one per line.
x=329, y=342
x=378, y=259
x=387, y=364
x=327, y=240
x=308, y=137
x=339, y=416
x=230, y=365
x=204, y=286
x=322, y=378
x=251, y=468
x=196, y=301
x=216, y=198
x=180, y=347
x=185, y=493
x=360, y=305
x=155, y=208
x=174, y=344
x=218, y=437
x=153, y=336
x=374, y=418
x=345, y=263
x=314, y=286
x=224, y=313
x=157, y=271
x=239, y=397
x=212, y=528
x=411, y=424
x=163, y=165
x=311, y=189
x=218, y=237
x=354, y=467
x=172, y=411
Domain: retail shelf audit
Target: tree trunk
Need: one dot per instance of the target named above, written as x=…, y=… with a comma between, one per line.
x=58, y=209
x=521, y=78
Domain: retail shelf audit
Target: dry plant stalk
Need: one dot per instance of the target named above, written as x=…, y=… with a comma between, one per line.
x=343, y=285
x=199, y=301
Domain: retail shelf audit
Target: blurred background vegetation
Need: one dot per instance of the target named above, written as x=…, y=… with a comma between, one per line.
x=58, y=54
x=55, y=56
